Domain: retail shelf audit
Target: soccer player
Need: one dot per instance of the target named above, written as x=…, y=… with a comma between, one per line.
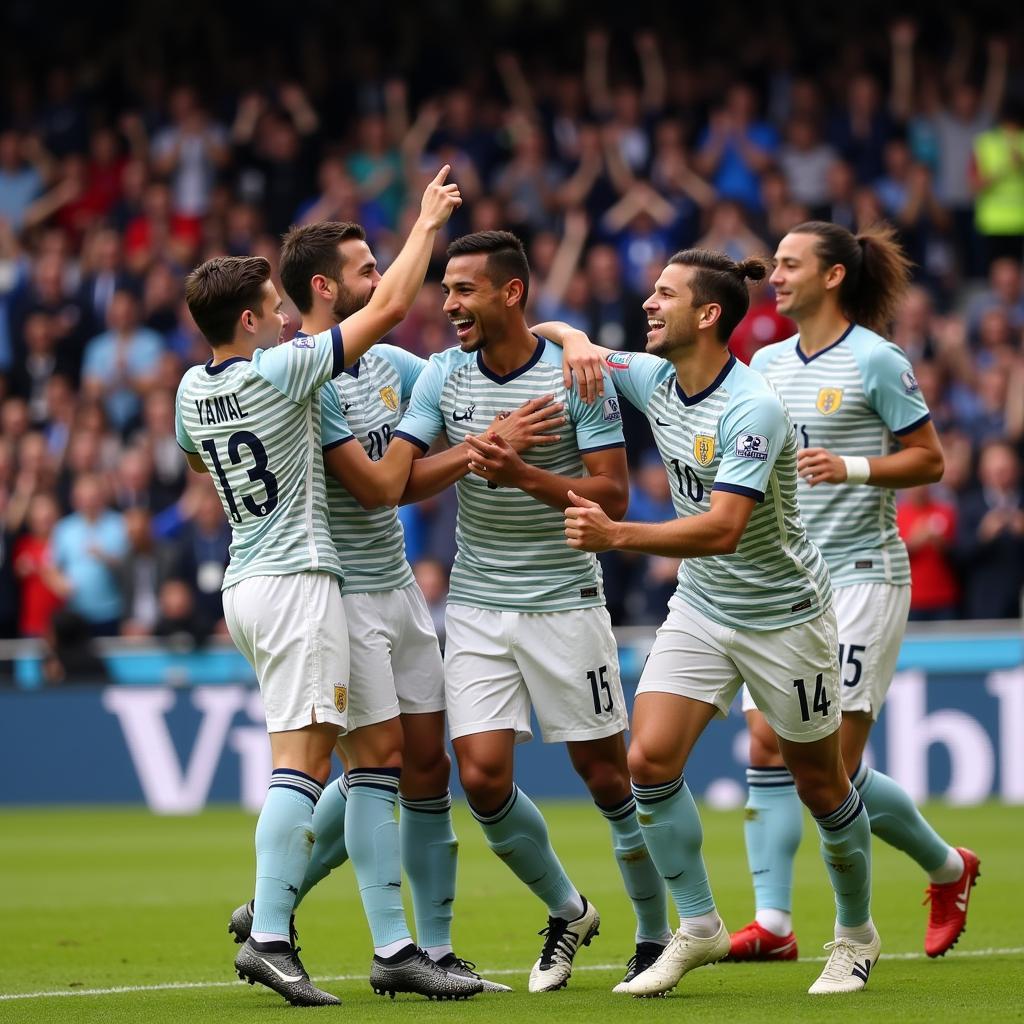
x=251, y=418
x=526, y=623
x=863, y=430
x=754, y=602
x=395, y=739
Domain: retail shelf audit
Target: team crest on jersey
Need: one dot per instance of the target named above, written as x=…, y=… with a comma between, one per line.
x=703, y=448
x=829, y=400
x=340, y=697
x=389, y=397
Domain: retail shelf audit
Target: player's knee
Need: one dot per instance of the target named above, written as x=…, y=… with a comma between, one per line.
x=764, y=750
x=646, y=765
x=821, y=789
x=426, y=772
x=607, y=781
x=486, y=784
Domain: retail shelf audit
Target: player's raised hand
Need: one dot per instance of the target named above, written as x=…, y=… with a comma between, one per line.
x=440, y=200
x=494, y=459
x=820, y=466
x=587, y=527
x=531, y=424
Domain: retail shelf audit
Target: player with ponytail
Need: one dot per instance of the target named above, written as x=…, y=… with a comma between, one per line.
x=864, y=431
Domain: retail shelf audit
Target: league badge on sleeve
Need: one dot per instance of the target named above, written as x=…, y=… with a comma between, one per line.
x=612, y=414
x=618, y=360
x=304, y=341
x=389, y=397
x=703, y=448
x=752, y=446
x=829, y=400
x=909, y=382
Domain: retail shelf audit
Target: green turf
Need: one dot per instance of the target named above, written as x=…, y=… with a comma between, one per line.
x=107, y=898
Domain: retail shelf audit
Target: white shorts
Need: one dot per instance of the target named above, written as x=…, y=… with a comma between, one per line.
x=565, y=663
x=396, y=662
x=871, y=618
x=791, y=672
x=292, y=631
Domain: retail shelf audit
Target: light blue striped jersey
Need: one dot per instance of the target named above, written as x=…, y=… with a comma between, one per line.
x=511, y=548
x=365, y=404
x=853, y=398
x=256, y=425
x=735, y=436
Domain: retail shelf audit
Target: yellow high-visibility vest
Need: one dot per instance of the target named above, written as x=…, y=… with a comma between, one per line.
x=999, y=207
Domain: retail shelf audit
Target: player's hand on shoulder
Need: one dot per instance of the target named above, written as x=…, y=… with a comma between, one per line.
x=587, y=527
x=820, y=466
x=585, y=360
x=440, y=200
x=533, y=423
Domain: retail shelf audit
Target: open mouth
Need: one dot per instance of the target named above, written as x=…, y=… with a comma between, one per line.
x=463, y=325
x=654, y=325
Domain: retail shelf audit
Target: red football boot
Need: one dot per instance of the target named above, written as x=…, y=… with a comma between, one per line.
x=947, y=917
x=756, y=943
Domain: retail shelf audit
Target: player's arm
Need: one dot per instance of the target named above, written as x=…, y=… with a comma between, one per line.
x=580, y=357
x=393, y=297
x=181, y=434
x=715, y=532
x=373, y=484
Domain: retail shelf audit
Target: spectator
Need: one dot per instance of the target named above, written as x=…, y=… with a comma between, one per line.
x=990, y=540
x=805, y=161
x=88, y=547
x=927, y=525
x=141, y=573
x=997, y=174
x=39, y=594
x=201, y=555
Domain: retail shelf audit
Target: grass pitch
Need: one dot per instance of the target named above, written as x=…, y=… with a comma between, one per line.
x=120, y=900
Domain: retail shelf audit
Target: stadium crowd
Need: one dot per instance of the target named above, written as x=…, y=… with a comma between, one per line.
x=120, y=172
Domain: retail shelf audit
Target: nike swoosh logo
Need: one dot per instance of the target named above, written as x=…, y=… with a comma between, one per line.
x=961, y=897
x=660, y=422
x=781, y=949
x=291, y=979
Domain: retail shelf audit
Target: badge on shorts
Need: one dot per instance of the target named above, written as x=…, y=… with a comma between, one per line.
x=390, y=398
x=340, y=697
x=703, y=448
x=829, y=400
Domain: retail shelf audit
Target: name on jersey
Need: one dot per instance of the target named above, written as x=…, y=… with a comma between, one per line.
x=219, y=409
x=829, y=400
x=752, y=446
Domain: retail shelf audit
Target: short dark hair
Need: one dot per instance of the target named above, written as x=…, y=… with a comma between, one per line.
x=220, y=290
x=311, y=249
x=718, y=278
x=506, y=257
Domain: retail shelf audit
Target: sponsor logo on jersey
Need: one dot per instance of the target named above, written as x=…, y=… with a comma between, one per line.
x=389, y=397
x=752, y=446
x=304, y=341
x=340, y=697
x=619, y=360
x=829, y=400
x=467, y=415
x=703, y=448
x=612, y=414
x=909, y=382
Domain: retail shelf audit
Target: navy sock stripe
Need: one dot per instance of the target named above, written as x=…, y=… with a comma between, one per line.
x=428, y=805
x=295, y=789
x=844, y=814
x=768, y=777
x=384, y=779
x=501, y=812
x=617, y=812
x=298, y=782
x=656, y=793
x=860, y=776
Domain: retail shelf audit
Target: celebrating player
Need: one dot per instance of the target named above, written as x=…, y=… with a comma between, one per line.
x=864, y=430
x=526, y=623
x=754, y=602
x=251, y=418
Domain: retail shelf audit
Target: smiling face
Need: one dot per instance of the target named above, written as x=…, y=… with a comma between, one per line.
x=476, y=306
x=359, y=278
x=801, y=283
x=672, y=319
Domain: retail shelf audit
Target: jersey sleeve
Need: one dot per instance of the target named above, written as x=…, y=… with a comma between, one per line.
x=752, y=435
x=423, y=420
x=334, y=428
x=636, y=375
x=298, y=367
x=893, y=391
x=408, y=366
x=599, y=423
x=185, y=443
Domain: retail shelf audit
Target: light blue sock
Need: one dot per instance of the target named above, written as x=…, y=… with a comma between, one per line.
x=846, y=850
x=329, y=828
x=895, y=818
x=284, y=839
x=644, y=885
x=772, y=828
x=371, y=837
x=430, y=854
x=672, y=831
x=517, y=833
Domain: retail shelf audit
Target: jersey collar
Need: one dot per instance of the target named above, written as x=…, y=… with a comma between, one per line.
x=528, y=365
x=712, y=387
x=221, y=367
x=828, y=348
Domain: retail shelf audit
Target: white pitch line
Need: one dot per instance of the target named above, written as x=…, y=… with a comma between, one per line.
x=172, y=986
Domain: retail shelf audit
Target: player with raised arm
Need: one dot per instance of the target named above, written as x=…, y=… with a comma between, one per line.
x=754, y=602
x=396, y=683
x=863, y=430
x=251, y=418
x=526, y=623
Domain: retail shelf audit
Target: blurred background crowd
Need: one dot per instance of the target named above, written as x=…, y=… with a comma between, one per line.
x=130, y=153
